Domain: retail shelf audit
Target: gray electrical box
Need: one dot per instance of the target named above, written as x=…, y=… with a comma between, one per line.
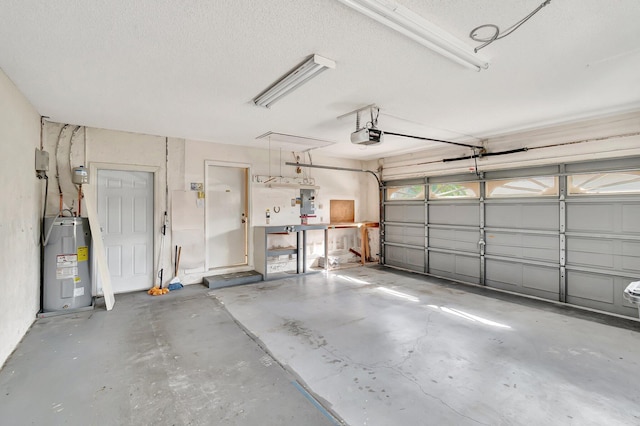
x=42, y=160
x=307, y=201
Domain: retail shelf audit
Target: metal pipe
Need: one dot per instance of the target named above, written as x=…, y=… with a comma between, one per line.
x=489, y=154
x=58, y=168
x=345, y=169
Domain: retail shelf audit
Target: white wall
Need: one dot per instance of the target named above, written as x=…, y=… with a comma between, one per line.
x=100, y=148
x=22, y=193
x=186, y=163
x=360, y=187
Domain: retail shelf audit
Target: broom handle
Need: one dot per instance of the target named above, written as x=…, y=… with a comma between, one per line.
x=178, y=261
x=175, y=263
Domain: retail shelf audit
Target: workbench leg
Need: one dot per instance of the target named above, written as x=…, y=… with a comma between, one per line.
x=304, y=251
x=297, y=252
x=326, y=249
x=365, y=244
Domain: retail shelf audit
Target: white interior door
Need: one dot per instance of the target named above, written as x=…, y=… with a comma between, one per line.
x=125, y=211
x=226, y=210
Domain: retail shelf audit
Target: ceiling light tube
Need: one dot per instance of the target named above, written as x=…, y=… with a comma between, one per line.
x=313, y=66
x=418, y=29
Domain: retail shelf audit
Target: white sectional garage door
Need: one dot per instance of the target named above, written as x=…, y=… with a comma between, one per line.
x=522, y=241
x=454, y=234
x=603, y=237
x=568, y=233
x=404, y=230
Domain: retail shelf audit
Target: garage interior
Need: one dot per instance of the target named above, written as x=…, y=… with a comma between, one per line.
x=438, y=224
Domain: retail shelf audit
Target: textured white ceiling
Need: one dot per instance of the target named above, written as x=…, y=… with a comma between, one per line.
x=190, y=68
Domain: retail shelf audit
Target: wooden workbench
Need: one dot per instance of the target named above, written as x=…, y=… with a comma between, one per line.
x=363, y=226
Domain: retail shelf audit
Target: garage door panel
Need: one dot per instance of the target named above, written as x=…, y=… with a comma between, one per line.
x=535, y=280
x=404, y=213
x=603, y=217
x=407, y=258
x=599, y=291
x=541, y=278
x=404, y=235
x=631, y=218
x=590, y=217
x=596, y=252
x=455, y=239
x=393, y=255
x=505, y=272
x=516, y=245
x=631, y=248
x=590, y=286
x=455, y=266
x=441, y=261
x=604, y=253
x=631, y=256
x=415, y=258
x=544, y=216
x=454, y=214
x=467, y=266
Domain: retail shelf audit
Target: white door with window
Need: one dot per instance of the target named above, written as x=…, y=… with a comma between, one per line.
x=125, y=210
x=227, y=215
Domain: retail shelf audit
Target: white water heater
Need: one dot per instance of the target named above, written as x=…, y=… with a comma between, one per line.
x=67, y=277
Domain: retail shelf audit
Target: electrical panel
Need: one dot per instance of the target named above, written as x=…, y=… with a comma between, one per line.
x=307, y=202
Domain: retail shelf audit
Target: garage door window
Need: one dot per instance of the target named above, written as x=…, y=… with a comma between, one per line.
x=406, y=192
x=605, y=183
x=542, y=186
x=454, y=190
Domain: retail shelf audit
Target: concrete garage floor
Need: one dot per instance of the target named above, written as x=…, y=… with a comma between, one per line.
x=388, y=348
x=374, y=346
x=176, y=359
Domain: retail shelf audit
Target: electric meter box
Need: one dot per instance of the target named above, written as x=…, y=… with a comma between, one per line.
x=67, y=264
x=42, y=160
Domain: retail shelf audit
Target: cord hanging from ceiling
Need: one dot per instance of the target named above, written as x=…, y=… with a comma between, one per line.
x=497, y=34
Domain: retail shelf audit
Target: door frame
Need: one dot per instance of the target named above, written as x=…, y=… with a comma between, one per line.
x=94, y=167
x=247, y=202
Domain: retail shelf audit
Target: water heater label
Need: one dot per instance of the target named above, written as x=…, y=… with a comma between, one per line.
x=66, y=260
x=77, y=292
x=83, y=254
x=66, y=272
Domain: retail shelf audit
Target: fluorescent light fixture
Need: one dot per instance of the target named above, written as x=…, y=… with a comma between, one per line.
x=414, y=26
x=310, y=68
